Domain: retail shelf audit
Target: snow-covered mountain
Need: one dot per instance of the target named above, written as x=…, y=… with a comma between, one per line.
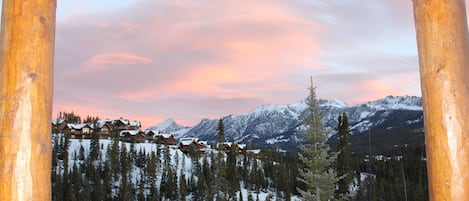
x=170, y=126
x=278, y=125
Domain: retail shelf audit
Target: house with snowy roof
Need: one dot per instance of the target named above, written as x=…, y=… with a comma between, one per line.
x=187, y=145
x=160, y=138
x=150, y=134
x=134, y=125
x=120, y=124
x=58, y=125
x=166, y=139
x=103, y=128
x=78, y=131
x=137, y=136
x=124, y=124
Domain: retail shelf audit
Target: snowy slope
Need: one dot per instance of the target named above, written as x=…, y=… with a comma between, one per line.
x=178, y=160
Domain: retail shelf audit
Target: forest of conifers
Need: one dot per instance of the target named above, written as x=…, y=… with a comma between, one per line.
x=98, y=169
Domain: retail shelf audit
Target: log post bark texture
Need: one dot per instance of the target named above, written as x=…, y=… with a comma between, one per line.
x=442, y=38
x=26, y=78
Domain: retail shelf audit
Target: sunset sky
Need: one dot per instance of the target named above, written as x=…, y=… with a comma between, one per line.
x=151, y=60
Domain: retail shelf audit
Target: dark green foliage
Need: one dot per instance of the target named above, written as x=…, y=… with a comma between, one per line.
x=126, y=191
x=91, y=120
x=343, y=163
x=182, y=186
x=140, y=160
x=397, y=177
x=232, y=176
x=113, y=158
x=94, y=147
x=81, y=153
x=141, y=189
x=221, y=131
x=316, y=172
x=71, y=117
x=150, y=169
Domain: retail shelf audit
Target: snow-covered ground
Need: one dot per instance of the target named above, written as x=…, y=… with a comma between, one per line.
x=179, y=161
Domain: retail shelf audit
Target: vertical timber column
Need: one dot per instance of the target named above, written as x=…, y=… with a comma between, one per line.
x=442, y=38
x=26, y=78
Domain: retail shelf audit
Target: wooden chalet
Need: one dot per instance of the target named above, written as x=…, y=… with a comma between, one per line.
x=78, y=131
x=87, y=131
x=103, y=130
x=121, y=124
x=132, y=136
x=124, y=124
x=134, y=125
x=166, y=139
x=58, y=125
x=150, y=135
x=188, y=145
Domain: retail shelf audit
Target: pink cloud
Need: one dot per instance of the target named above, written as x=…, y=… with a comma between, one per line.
x=105, y=61
x=187, y=60
x=373, y=90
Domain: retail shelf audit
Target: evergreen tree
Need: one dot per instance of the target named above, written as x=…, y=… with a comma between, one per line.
x=151, y=168
x=124, y=159
x=201, y=192
x=182, y=185
x=70, y=117
x=81, y=153
x=126, y=191
x=232, y=176
x=97, y=185
x=114, y=159
x=94, y=147
x=84, y=193
x=316, y=173
x=107, y=182
x=141, y=188
x=343, y=163
x=221, y=132
x=250, y=198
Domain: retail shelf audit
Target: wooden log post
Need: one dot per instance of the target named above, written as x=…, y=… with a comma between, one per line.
x=442, y=38
x=26, y=79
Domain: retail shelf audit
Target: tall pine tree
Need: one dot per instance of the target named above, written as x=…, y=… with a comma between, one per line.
x=343, y=163
x=221, y=132
x=316, y=172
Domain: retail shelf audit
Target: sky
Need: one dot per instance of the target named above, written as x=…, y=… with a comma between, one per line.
x=150, y=60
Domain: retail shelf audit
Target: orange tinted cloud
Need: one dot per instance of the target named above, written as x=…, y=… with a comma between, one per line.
x=373, y=90
x=105, y=61
x=189, y=60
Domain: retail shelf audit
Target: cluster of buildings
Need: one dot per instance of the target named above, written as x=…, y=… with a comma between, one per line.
x=102, y=128
x=130, y=131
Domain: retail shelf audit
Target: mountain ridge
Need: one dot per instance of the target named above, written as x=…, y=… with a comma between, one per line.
x=277, y=125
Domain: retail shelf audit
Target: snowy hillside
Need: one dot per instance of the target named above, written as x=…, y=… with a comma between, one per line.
x=170, y=162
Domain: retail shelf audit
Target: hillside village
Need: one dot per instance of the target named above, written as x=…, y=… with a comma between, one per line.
x=130, y=131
